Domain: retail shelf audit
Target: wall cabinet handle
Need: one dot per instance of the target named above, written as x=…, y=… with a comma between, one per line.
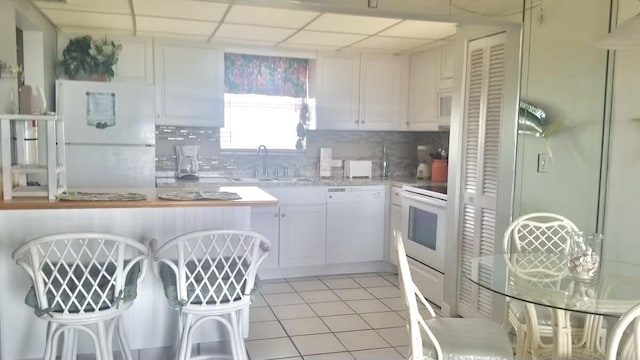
x=282, y=215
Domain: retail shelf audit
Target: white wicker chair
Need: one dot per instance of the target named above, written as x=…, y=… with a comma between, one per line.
x=448, y=338
x=209, y=276
x=540, y=233
x=83, y=282
x=627, y=328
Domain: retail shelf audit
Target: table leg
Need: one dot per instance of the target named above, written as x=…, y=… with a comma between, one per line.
x=561, y=333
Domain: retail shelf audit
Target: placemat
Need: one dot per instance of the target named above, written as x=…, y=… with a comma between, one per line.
x=100, y=196
x=199, y=195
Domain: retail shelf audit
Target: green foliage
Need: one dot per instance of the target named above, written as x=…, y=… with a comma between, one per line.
x=84, y=57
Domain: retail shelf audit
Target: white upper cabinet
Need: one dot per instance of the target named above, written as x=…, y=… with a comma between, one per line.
x=189, y=85
x=135, y=62
x=367, y=92
x=431, y=76
x=383, y=92
x=338, y=88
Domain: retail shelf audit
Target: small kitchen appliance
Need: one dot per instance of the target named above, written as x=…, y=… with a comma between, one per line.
x=357, y=169
x=187, y=161
x=424, y=168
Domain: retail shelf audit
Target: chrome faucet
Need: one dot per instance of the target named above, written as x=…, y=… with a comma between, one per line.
x=265, y=163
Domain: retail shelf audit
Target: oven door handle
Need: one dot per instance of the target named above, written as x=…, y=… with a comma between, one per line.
x=424, y=199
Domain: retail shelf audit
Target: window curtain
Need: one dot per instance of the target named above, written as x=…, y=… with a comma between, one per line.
x=265, y=75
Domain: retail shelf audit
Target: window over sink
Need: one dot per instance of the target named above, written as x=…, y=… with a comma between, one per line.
x=265, y=102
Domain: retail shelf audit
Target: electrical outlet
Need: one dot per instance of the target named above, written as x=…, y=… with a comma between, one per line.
x=336, y=163
x=543, y=163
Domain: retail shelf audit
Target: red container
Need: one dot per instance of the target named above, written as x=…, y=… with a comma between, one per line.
x=439, y=170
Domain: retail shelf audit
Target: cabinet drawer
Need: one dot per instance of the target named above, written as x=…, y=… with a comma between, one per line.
x=429, y=281
x=298, y=195
x=396, y=198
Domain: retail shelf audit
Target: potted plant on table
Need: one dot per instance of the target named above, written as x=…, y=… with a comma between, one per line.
x=88, y=59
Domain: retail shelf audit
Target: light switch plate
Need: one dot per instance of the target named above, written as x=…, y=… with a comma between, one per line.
x=543, y=163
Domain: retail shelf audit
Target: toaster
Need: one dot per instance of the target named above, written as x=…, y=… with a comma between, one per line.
x=357, y=168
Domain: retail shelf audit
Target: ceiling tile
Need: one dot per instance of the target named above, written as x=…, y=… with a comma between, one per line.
x=183, y=9
x=421, y=29
x=324, y=38
x=179, y=26
x=367, y=25
x=90, y=20
x=238, y=42
x=254, y=15
x=390, y=43
x=168, y=35
x=105, y=6
x=247, y=32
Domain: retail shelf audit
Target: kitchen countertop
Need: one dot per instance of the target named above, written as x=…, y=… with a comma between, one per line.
x=206, y=182
x=250, y=196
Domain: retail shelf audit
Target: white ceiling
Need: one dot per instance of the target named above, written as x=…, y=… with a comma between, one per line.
x=227, y=22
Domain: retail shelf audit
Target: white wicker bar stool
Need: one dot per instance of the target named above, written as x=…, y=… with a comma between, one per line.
x=209, y=276
x=83, y=283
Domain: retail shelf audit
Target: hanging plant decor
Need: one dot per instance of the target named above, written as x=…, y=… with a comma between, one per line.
x=88, y=59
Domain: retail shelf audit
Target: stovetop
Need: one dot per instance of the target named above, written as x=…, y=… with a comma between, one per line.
x=436, y=191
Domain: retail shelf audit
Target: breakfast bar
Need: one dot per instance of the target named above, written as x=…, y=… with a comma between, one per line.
x=150, y=323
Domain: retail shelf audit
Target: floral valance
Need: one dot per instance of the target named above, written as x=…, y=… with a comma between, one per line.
x=265, y=75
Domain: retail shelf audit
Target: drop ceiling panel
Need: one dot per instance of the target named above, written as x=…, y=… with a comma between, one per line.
x=246, y=43
x=105, y=6
x=255, y=15
x=90, y=20
x=324, y=38
x=308, y=47
x=184, y=9
x=178, y=26
x=247, y=32
x=390, y=43
x=173, y=36
x=421, y=30
x=351, y=24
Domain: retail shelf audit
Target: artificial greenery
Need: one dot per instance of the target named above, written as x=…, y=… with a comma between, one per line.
x=84, y=57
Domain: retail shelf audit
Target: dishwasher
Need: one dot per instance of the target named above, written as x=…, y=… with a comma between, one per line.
x=355, y=223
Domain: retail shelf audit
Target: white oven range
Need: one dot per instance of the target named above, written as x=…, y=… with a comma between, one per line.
x=423, y=220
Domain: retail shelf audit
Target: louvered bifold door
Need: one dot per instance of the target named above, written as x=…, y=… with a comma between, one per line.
x=485, y=75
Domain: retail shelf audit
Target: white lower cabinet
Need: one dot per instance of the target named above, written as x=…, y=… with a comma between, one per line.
x=302, y=235
x=395, y=211
x=296, y=229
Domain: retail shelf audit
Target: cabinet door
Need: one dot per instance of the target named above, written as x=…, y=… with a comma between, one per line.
x=394, y=225
x=302, y=235
x=135, y=62
x=422, y=91
x=338, y=86
x=266, y=221
x=190, y=86
x=383, y=101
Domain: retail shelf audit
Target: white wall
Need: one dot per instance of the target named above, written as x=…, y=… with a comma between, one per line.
x=564, y=74
x=622, y=209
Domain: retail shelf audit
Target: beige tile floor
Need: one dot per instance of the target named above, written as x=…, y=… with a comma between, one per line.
x=342, y=317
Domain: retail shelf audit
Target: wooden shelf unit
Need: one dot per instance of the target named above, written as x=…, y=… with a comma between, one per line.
x=53, y=166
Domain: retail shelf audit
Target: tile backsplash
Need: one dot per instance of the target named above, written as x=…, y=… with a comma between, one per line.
x=346, y=145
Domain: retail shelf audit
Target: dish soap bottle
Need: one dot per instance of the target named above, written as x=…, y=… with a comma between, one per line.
x=385, y=162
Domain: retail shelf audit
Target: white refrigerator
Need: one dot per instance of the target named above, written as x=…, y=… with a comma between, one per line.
x=110, y=133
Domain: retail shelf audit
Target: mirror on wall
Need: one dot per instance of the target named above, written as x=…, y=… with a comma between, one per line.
x=563, y=91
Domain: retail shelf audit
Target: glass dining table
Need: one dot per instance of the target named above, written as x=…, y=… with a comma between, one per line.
x=544, y=279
